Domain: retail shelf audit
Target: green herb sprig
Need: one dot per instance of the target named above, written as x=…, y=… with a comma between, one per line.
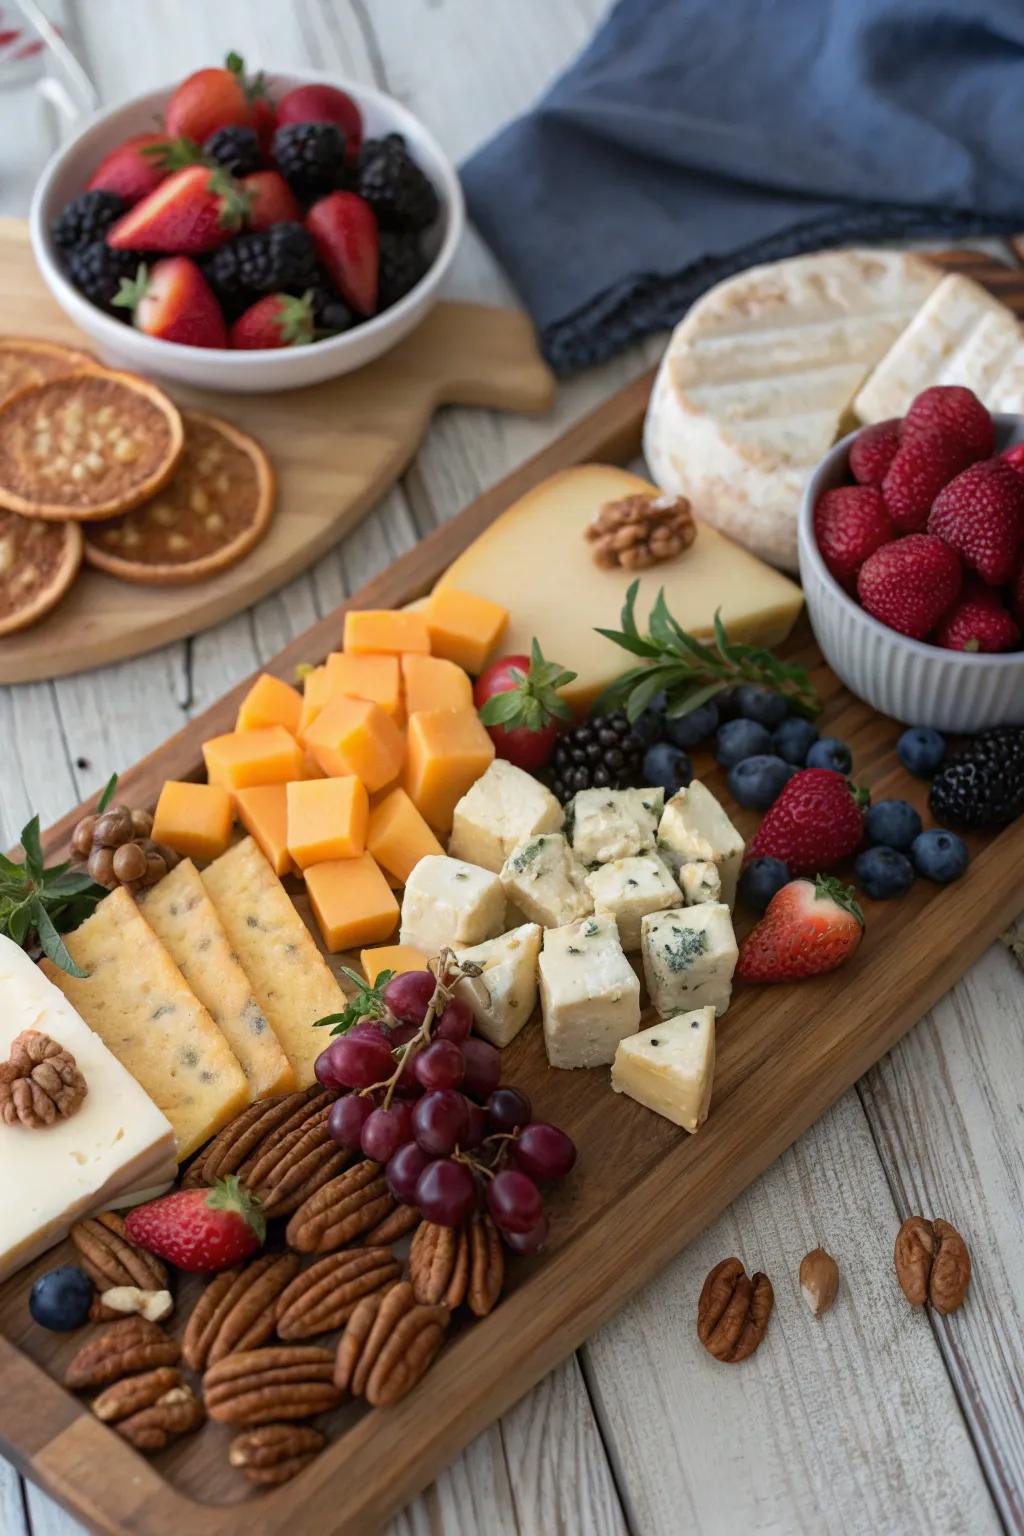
x=368, y=1003
x=38, y=904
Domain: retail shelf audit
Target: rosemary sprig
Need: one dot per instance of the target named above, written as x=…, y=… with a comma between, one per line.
x=368, y=1003
x=38, y=904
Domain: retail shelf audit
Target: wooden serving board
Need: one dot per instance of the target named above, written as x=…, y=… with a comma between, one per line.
x=641, y=1190
x=336, y=448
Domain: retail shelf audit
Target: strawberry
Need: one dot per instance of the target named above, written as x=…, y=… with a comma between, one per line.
x=921, y=466
x=1017, y=594
x=1014, y=456
x=816, y=822
x=953, y=411
x=850, y=523
x=257, y=93
x=194, y=210
x=873, y=450
x=981, y=515
x=174, y=302
x=133, y=169
x=206, y=100
x=978, y=622
x=200, y=1230
x=344, y=230
x=324, y=104
x=910, y=583
x=271, y=200
x=809, y=927
x=279, y=320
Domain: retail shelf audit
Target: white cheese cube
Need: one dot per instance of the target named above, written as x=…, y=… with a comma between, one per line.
x=670, y=1067
x=627, y=889
x=689, y=956
x=695, y=828
x=614, y=823
x=448, y=902
x=589, y=992
x=504, y=995
x=546, y=882
x=505, y=807
x=699, y=882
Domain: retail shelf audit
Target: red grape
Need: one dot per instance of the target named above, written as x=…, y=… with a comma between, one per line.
x=322, y=1069
x=359, y=1061
x=527, y=1242
x=483, y=1068
x=543, y=1151
x=507, y=1109
x=403, y=1170
x=514, y=1201
x=346, y=1119
x=385, y=1130
x=408, y=996
x=439, y=1120
x=440, y=1065
x=446, y=1192
x=455, y=1023
x=371, y=1029
x=476, y=1126
x=401, y=1034
x=408, y=1085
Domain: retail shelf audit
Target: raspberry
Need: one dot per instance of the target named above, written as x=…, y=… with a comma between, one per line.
x=953, y=411
x=910, y=583
x=1014, y=456
x=849, y=524
x=921, y=466
x=979, y=622
x=981, y=515
x=873, y=450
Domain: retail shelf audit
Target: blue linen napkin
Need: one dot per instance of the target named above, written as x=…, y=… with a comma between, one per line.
x=693, y=138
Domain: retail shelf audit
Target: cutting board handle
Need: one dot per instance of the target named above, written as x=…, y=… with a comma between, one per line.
x=485, y=356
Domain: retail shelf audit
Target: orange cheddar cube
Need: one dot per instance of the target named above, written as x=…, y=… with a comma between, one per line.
x=463, y=628
x=352, y=902
x=243, y=758
x=431, y=683
x=366, y=677
x=263, y=813
x=356, y=736
x=326, y=819
x=314, y=696
x=447, y=750
x=399, y=958
x=398, y=837
x=391, y=630
x=270, y=702
x=194, y=819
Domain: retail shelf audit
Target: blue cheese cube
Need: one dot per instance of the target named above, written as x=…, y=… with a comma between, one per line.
x=589, y=993
x=689, y=956
x=700, y=882
x=612, y=824
x=546, y=882
x=505, y=807
x=628, y=889
x=448, y=902
x=670, y=1067
x=694, y=828
x=504, y=995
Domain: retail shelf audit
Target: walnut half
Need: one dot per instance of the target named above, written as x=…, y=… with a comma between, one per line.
x=640, y=531
x=40, y=1083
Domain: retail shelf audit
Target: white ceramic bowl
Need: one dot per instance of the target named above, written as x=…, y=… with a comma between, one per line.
x=915, y=683
x=258, y=371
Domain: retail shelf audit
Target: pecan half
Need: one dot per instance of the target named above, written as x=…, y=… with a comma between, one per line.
x=486, y=1265
x=325, y=1295
x=305, y=1109
x=109, y=1259
x=40, y=1083
x=260, y=1386
x=134, y=1393
x=342, y=1210
x=439, y=1265
x=243, y=1136
x=933, y=1264
x=178, y=1412
x=275, y=1453
x=733, y=1311
x=389, y=1343
x=125, y=1347
x=291, y=1170
x=237, y=1309
x=396, y=1225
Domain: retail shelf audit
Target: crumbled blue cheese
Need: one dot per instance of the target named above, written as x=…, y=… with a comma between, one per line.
x=689, y=956
x=505, y=807
x=670, y=1067
x=700, y=882
x=590, y=994
x=694, y=828
x=449, y=902
x=546, y=882
x=504, y=995
x=628, y=889
x=612, y=824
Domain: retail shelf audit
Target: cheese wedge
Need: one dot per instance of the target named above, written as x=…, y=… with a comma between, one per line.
x=670, y=1067
x=140, y=1005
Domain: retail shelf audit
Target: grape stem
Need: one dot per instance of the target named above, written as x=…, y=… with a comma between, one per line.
x=447, y=971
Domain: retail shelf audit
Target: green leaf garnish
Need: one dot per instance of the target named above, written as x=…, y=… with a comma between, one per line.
x=110, y=788
x=38, y=904
x=532, y=702
x=52, y=944
x=368, y=1003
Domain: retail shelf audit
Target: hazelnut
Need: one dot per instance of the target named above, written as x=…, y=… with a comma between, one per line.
x=81, y=837
x=170, y=858
x=156, y=868
x=113, y=828
x=129, y=863
x=101, y=867
x=142, y=823
x=819, y=1280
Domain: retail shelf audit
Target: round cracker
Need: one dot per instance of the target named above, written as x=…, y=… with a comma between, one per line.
x=38, y=562
x=61, y=445
x=180, y=536
x=28, y=360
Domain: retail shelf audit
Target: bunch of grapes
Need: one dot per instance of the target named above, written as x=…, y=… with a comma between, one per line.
x=424, y=1099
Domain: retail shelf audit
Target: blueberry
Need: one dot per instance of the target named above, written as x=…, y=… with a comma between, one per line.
x=649, y=727
x=667, y=766
x=760, y=881
x=738, y=739
x=884, y=872
x=760, y=704
x=726, y=701
x=921, y=751
x=690, y=730
x=830, y=752
x=939, y=855
x=793, y=739
x=61, y=1299
x=892, y=824
x=757, y=782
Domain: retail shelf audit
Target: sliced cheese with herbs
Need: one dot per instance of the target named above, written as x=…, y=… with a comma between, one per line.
x=504, y=995
x=140, y=1005
x=670, y=1067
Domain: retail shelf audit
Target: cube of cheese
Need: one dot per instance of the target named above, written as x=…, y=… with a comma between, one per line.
x=447, y=902
x=400, y=958
x=699, y=882
x=326, y=819
x=546, y=882
x=611, y=824
x=670, y=1067
x=689, y=956
x=431, y=683
x=352, y=902
x=383, y=629
x=447, y=751
x=628, y=889
x=464, y=628
x=589, y=992
x=694, y=828
x=263, y=812
x=315, y=694
x=242, y=758
x=398, y=837
x=366, y=677
x=505, y=807
x=504, y=995
x=270, y=701
x=194, y=819
x=356, y=736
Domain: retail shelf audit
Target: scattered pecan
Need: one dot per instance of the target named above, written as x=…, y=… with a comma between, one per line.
x=640, y=531
x=389, y=1342
x=324, y=1296
x=243, y=1136
x=120, y=1300
x=40, y=1083
x=396, y=1225
x=275, y=1453
x=341, y=1211
x=237, y=1309
x=178, y=1412
x=260, y=1386
x=295, y=1167
x=733, y=1311
x=933, y=1264
x=486, y=1265
x=439, y=1265
x=109, y=1259
x=125, y=1347
x=819, y=1280
x=133, y=1393
x=305, y=1108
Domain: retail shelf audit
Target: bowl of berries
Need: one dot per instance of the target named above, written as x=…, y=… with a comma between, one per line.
x=911, y=540
x=248, y=233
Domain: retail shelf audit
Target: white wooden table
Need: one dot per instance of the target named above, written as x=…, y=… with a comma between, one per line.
x=874, y=1420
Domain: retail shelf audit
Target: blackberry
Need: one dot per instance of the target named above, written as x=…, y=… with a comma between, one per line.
x=983, y=785
x=281, y=259
x=602, y=753
x=402, y=264
x=331, y=315
x=97, y=270
x=85, y=218
x=392, y=183
x=236, y=148
x=311, y=158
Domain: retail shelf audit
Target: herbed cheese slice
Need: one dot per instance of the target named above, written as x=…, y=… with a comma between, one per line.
x=184, y=919
x=545, y=881
x=290, y=978
x=628, y=889
x=695, y=829
x=589, y=992
x=689, y=956
x=606, y=824
x=504, y=995
x=449, y=902
x=670, y=1067
x=502, y=809
x=140, y=1005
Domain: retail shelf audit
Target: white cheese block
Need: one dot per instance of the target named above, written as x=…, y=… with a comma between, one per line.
x=627, y=889
x=116, y=1143
x=670, y=1067
x=758, y=377
x=502, y=809
x=611, y=824
x=699, y=882
x=689, y=956
x=695, y=829
x=544, y=880
x=505, y=994
x=590, y=994
x=449, y=902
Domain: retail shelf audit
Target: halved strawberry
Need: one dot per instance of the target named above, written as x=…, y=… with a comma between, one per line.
x=810, y=926
x=206, y=100
x=278, y=320
x=173, y=301
x=344, y=230
x=194, y=210
x=136, y=167
x=271, y=200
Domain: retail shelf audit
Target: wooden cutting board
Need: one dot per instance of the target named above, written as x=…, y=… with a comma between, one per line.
x=336, y=447
x=642, y=1189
